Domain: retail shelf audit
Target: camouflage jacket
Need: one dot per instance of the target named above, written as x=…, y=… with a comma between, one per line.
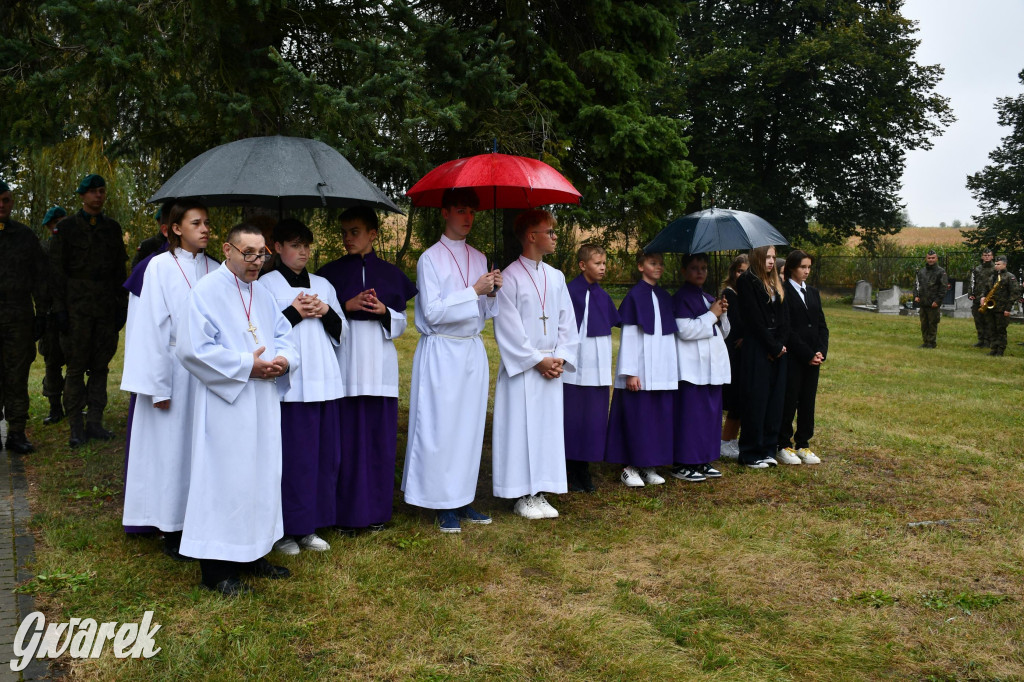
x=22, y=267
x=982, y=278
x=1007, y=293
x=931, y=285
x=87, y=266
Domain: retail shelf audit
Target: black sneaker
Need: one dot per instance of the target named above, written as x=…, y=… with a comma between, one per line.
x=688, y=474
x=710, y=471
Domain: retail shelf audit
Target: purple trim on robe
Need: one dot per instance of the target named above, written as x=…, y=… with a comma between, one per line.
x=127, y=446
x=309, y=468
x=392, y=287
x=366, y=477
x=636, y=308
x=691, y=302
x=641, y=429
x=698, y=423
x=602, y=316
x=134, y=281
x=586, y=422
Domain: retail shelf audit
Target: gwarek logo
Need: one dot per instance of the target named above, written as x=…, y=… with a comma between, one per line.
x=82, y=638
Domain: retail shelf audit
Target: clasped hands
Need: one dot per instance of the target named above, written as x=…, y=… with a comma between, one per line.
x=550, y=368
x=367, y=302
x=262, y=369
x=308, y=305
x=488, y=284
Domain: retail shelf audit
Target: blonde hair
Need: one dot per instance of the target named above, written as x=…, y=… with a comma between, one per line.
x=530, y=219
x=588, y=251
x=770, y=280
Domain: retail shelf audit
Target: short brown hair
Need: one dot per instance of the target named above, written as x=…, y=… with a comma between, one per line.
x=793, y=260
x=531, y=218
x=174, y=217
x=460, y=196
x=642, y=255
x=588, y=251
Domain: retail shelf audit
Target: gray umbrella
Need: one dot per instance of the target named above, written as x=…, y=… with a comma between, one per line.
x=274, y=172
x=716, y=229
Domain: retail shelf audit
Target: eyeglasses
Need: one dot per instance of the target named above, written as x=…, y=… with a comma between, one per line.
x=550, y=233
x=251, y=257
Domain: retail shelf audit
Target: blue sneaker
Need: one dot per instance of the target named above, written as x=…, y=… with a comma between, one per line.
x=448, y=520
x=471, y=515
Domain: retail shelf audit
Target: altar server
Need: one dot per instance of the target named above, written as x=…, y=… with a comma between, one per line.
x=536, y=335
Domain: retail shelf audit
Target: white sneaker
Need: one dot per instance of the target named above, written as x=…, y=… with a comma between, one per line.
x=788, y=456
x=545, y=506
x=527, y=507
x=770, y=461
x=651, y=477
x=287, y=545
x=314, y=543
x=807, y=457
x=631, y=477
x=729, y=449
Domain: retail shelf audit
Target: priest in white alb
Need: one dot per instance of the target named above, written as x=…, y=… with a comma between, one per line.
x=450, y=374
x=537, y=337
x=235, y=341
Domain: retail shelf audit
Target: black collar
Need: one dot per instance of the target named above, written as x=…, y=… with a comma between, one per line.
x=296, y=281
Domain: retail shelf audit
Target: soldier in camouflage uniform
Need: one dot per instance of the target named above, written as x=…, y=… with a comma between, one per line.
x=158, y=242
x=982, y=278
x=87, y=268
x=49, y=345
x=1004, y=298
x=22, y=278
x=929, y=290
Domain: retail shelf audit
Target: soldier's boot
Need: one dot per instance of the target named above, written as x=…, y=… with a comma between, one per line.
x=78, y=436
x=980, y=344
x=996, y=351
x=17, y=442
x=56, y=412
x=96, y=431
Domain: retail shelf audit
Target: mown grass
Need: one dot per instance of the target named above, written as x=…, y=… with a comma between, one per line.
x=794, y=573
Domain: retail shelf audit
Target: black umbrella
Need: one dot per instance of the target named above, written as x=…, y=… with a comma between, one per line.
x=273, y=172
x=716, y=229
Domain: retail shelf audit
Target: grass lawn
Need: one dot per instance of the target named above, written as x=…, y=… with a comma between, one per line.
x=807, y=572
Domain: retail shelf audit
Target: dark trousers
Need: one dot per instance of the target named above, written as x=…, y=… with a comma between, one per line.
x=17, y=351
x=215, y=570
x=89, y=345
x=999, y=323
x=764, y=388
x=801, y=390
x=49, y=348
x=929, y=323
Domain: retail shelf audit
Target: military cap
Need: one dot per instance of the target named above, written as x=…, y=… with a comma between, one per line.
x=1001, y=257
x=90, y=181
x=53, y=213
x=986, y=250
x=4, y=187
x=931, y=252
x=158, y=214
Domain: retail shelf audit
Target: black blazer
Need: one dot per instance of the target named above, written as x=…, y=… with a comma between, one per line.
x=808, y=333
x=763, y=319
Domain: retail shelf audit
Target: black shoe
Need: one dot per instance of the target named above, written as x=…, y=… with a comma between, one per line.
x=261, y=568
x=78, y=436
x=575, y=484
x=994, y=351
x=980, y=344
x=230, y=587
x=96, y=431
x=17, y=442
x=587, y=481
x=924, y=345
x=56, y=413
x=375, y=527
x=345, y=531
x=172, y=545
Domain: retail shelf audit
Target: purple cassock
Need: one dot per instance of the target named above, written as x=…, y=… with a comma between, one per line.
x=640, y=424
x=585, y=401
x=134, y=285
x=698, y=407
x=369, y=415
x=309, y=463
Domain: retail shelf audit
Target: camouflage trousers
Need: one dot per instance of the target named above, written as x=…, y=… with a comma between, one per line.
x=929, y=324
x=17, y=351
x=89, y=345
x=49, y=348
x=983, y=324
x=999, y=324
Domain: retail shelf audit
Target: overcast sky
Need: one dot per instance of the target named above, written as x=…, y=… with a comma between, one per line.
x=980, y=46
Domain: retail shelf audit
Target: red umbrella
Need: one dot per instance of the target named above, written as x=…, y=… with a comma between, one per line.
x=500, y=181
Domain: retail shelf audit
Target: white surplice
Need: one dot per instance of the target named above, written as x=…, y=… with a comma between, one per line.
x=157, y=479
x=652, y=357
x=450, y=378
x=594, y=358
x=528, y=428
x=701, y=354
x=234, y=502
x=319, y=378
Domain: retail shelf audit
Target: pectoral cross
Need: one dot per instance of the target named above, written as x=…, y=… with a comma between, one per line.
x=544, y=318
x=252, y=330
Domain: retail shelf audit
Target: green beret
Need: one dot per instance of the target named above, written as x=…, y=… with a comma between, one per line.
x=4, y=187
x=158, y=214
x=90, y=181
x=54, y=213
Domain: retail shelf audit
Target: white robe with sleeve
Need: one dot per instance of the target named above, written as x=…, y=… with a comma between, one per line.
x=234, y=502
x=157, y=479
x=652, y=357
x=594, y=359
x=319, y=378
x=450, y=378
x=528, y=427
x=701, y=354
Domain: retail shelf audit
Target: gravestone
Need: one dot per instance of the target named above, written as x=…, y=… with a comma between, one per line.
x=889, y=301
x=862, y=293
x=962, y=307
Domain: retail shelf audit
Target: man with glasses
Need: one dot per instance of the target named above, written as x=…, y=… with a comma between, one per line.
x=87, y=268
x=233, y=339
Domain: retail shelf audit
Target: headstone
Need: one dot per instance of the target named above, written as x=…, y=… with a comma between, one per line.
x=889, y=300
x=862, y=293
x=962, y=307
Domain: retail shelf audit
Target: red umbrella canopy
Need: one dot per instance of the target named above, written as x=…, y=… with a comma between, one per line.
x=500, y=181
